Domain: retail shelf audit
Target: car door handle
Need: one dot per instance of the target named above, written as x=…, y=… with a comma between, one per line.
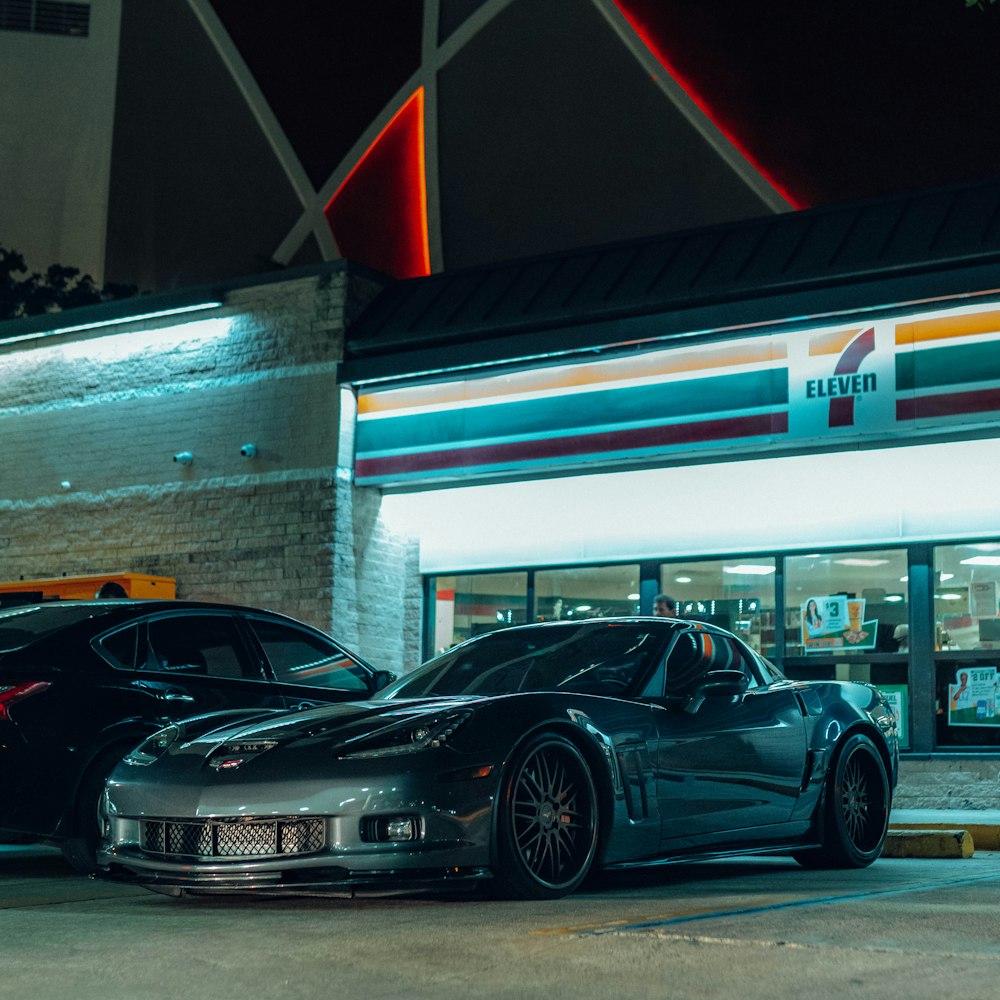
x=303, y=705
x=175, y=696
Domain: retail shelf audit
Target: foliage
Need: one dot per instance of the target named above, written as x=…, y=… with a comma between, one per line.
x=981, y=4
x=59, y=288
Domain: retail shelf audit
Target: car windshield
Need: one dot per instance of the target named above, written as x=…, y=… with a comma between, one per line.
x=591, y=658
x=19, y=626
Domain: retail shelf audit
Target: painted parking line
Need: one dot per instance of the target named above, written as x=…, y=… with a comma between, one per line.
x=686, y=918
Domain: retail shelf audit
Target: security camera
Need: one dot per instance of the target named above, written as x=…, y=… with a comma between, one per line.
x=249, y=451
x=183, y=458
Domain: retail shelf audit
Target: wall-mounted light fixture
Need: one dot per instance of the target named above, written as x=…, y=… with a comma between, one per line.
x=183, y=458
x=40, y=328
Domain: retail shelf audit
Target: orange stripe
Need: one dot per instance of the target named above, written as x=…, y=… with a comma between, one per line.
x=569, y=377
x=947, y=327
x=831, y=343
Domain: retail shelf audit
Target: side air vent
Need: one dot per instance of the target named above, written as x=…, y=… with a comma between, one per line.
x=45, y=17
x=634, y=765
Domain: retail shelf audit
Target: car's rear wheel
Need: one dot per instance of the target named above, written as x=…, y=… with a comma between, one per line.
x=80, y=848
x=855, y=814
x=547, y=823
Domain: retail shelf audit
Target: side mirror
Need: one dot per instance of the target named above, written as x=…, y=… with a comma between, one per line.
x=715, y=684
x=723, y=682
x=381, y=679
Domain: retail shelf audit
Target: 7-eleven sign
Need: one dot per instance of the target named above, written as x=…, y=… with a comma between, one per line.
x=842, y=381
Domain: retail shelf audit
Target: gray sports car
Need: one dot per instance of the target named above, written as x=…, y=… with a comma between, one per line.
x=526, y=756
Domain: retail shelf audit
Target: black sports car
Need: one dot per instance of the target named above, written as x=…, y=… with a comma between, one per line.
x=81, y=682
x=528, y=756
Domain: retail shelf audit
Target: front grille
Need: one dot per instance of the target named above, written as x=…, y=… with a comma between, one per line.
x=233, y=838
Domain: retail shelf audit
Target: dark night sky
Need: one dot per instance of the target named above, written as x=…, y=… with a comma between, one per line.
x=836, y=100
x=846, y=99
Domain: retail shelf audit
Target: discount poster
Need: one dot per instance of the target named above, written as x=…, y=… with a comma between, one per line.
x=835, y=621
x=972, y=699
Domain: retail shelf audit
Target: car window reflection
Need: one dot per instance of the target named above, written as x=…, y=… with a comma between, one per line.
x=592, y=658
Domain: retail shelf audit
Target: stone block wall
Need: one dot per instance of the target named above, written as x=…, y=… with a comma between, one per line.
x=91, y=424
x=949, y=783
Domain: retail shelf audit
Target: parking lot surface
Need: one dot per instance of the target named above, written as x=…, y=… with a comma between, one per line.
x=755, y=928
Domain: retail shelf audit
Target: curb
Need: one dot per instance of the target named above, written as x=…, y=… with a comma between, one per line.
x=986, y=836
x=929, y=842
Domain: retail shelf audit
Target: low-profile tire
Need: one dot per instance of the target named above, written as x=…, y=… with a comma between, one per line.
x=547, y=821
x=80, y=848
x=855, y=809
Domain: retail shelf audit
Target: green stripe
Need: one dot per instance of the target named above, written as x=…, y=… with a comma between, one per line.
x=576, y=413
x=952, y=365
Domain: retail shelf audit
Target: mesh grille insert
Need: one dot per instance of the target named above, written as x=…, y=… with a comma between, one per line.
x=233, y=838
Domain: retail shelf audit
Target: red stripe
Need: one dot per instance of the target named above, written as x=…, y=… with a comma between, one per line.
x=605, y=442
x=948, y=404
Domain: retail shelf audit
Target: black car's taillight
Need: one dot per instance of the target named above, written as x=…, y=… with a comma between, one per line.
x=10, y=694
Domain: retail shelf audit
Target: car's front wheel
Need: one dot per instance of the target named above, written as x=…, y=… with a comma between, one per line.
x=80, y=848
x=547, y=823
x=855, y=811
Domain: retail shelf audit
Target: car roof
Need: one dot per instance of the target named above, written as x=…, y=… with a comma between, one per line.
x=142, y=604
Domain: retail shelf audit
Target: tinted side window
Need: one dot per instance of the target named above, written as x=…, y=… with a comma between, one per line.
x=300, y=657
x=209, y=645
x=121, y=647
x=695, y=653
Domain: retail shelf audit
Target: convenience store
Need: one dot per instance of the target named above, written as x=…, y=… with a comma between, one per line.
x=775, y=422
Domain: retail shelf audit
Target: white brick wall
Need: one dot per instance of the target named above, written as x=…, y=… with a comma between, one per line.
x=107, y=411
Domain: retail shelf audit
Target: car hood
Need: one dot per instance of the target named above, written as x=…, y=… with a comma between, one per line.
x=338, y=723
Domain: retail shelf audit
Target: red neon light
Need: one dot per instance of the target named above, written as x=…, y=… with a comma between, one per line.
x=378, y=215
x=655, y=45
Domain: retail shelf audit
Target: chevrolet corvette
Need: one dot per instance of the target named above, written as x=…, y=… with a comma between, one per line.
x=525, y=759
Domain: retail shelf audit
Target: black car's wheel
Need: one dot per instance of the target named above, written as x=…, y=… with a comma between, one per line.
x=547, y=823
x=856, y=808
x=80, y=848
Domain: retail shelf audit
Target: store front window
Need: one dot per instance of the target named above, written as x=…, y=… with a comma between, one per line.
x=475, y=603
x=737, y=594
x=846, y=618
x=586, y=592
x=846, y=602
x=967, y=643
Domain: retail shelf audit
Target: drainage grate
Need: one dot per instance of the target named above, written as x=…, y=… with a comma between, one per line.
x=45, y=17
x=233, y=838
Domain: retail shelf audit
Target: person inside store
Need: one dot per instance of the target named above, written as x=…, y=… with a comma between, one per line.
x=664, y=606
x=902, y=636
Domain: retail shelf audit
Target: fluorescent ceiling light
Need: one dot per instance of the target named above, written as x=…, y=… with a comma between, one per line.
x=633, y=597
x=945, y=576
x=860, y=562
x=950, y=597
x=749, y=569
x=894, y=598
x=981, y=561
x=682, y=579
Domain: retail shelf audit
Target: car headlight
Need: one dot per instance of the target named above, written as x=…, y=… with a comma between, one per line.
x=153, y=748
x=425, y=733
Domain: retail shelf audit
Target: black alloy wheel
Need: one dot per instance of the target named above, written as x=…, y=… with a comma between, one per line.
x=856, y=808
x=548, y=821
